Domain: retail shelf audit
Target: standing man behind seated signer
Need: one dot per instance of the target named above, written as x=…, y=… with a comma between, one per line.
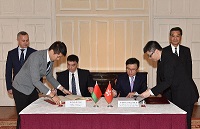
x=78, y=81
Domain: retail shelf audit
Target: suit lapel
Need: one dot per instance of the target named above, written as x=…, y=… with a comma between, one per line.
x=136, y=83
x=80, y=77
x=67, y=79
x=127, y=85
x=27, y=53
x=16, y=55
x=181, y=53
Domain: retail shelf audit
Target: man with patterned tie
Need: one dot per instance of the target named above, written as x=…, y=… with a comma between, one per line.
x=181, y=51
x=78, y=81
x=28, y=78
x=131, y=83
x=16, y=58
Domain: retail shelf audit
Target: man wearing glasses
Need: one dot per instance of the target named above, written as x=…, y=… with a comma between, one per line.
x=131, y=83
x=172, y=74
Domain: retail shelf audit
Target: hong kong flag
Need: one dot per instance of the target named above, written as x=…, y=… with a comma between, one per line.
x=108, y=94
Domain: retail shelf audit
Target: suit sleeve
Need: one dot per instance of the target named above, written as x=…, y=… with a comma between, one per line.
x=143, y=86
x=167, y=71
x=117, y=86
x=189, y=63
x=52, y=80
x=60, y=80
x=90, y=80
x=9, y=72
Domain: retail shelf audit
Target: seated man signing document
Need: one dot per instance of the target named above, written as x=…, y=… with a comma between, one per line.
x=131, y=83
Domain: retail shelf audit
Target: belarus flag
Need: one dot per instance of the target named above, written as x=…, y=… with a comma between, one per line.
x=108, y=94
x=96, y=94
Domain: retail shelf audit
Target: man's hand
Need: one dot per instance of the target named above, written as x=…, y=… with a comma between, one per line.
x=114, y=92
x=56, y=99
x=54, y=91
x=146, y=94
x=10, y=92
x=67, y=92
x=90, y=89
x=130, y=95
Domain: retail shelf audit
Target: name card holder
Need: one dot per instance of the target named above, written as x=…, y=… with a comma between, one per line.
x=128, y=103
x=75, y=103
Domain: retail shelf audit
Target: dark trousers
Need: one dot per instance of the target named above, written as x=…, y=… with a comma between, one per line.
x=189, y=110
x=22, y=101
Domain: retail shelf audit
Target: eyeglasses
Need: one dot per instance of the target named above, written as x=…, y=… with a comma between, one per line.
x=151, y=54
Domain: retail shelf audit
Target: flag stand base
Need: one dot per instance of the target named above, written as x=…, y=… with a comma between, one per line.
x=96, y=105
x=109, y=105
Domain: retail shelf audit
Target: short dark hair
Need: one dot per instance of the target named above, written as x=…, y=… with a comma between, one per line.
x=59, y=47
x=72, y=58
x=22, y=33
x=176, y=29
x=133, y=61
x=151, y=46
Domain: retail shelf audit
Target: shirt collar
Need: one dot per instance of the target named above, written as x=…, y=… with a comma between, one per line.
x=75, y=73
x=131, y=77
x=19, y=49
x=48, y=58
x=173, y=48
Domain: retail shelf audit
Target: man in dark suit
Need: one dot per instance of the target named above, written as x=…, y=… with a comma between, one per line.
x=13, y=64
x=172, y=74
x=83, y=79
x=38, y=65
x=181, y=51
x=131, y=83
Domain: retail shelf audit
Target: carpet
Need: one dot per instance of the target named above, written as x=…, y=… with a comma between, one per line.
x=195, y=123
x=11, y=124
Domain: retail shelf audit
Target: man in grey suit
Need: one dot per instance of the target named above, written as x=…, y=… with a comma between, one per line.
x=38, y=65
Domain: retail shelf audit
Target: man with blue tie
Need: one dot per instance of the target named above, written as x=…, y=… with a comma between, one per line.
x=131, y=83
x=16, y=58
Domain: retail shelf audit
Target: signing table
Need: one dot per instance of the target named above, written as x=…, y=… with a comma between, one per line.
x=43, y=115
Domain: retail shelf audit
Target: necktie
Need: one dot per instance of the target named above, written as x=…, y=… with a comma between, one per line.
x=132, y=83
x=73, y=85
x=48, y=64
x=176, y=51
x=48, y=67
x=22, y=56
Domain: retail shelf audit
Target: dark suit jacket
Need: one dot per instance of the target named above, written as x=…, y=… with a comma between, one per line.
x=172, y=74
x=123, y=84
x=186, y=59
x=85, y=81
x=184, y=55
x=13, y=65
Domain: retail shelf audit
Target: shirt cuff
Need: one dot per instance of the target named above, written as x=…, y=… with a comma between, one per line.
x=151, y=93
x=48, y=92
x=58, y=86
x=136, y=93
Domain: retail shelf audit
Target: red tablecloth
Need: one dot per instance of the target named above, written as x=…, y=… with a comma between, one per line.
x=103, y=121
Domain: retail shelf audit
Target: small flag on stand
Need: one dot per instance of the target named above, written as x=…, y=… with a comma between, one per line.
x=96, y=94
x=108, y=94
